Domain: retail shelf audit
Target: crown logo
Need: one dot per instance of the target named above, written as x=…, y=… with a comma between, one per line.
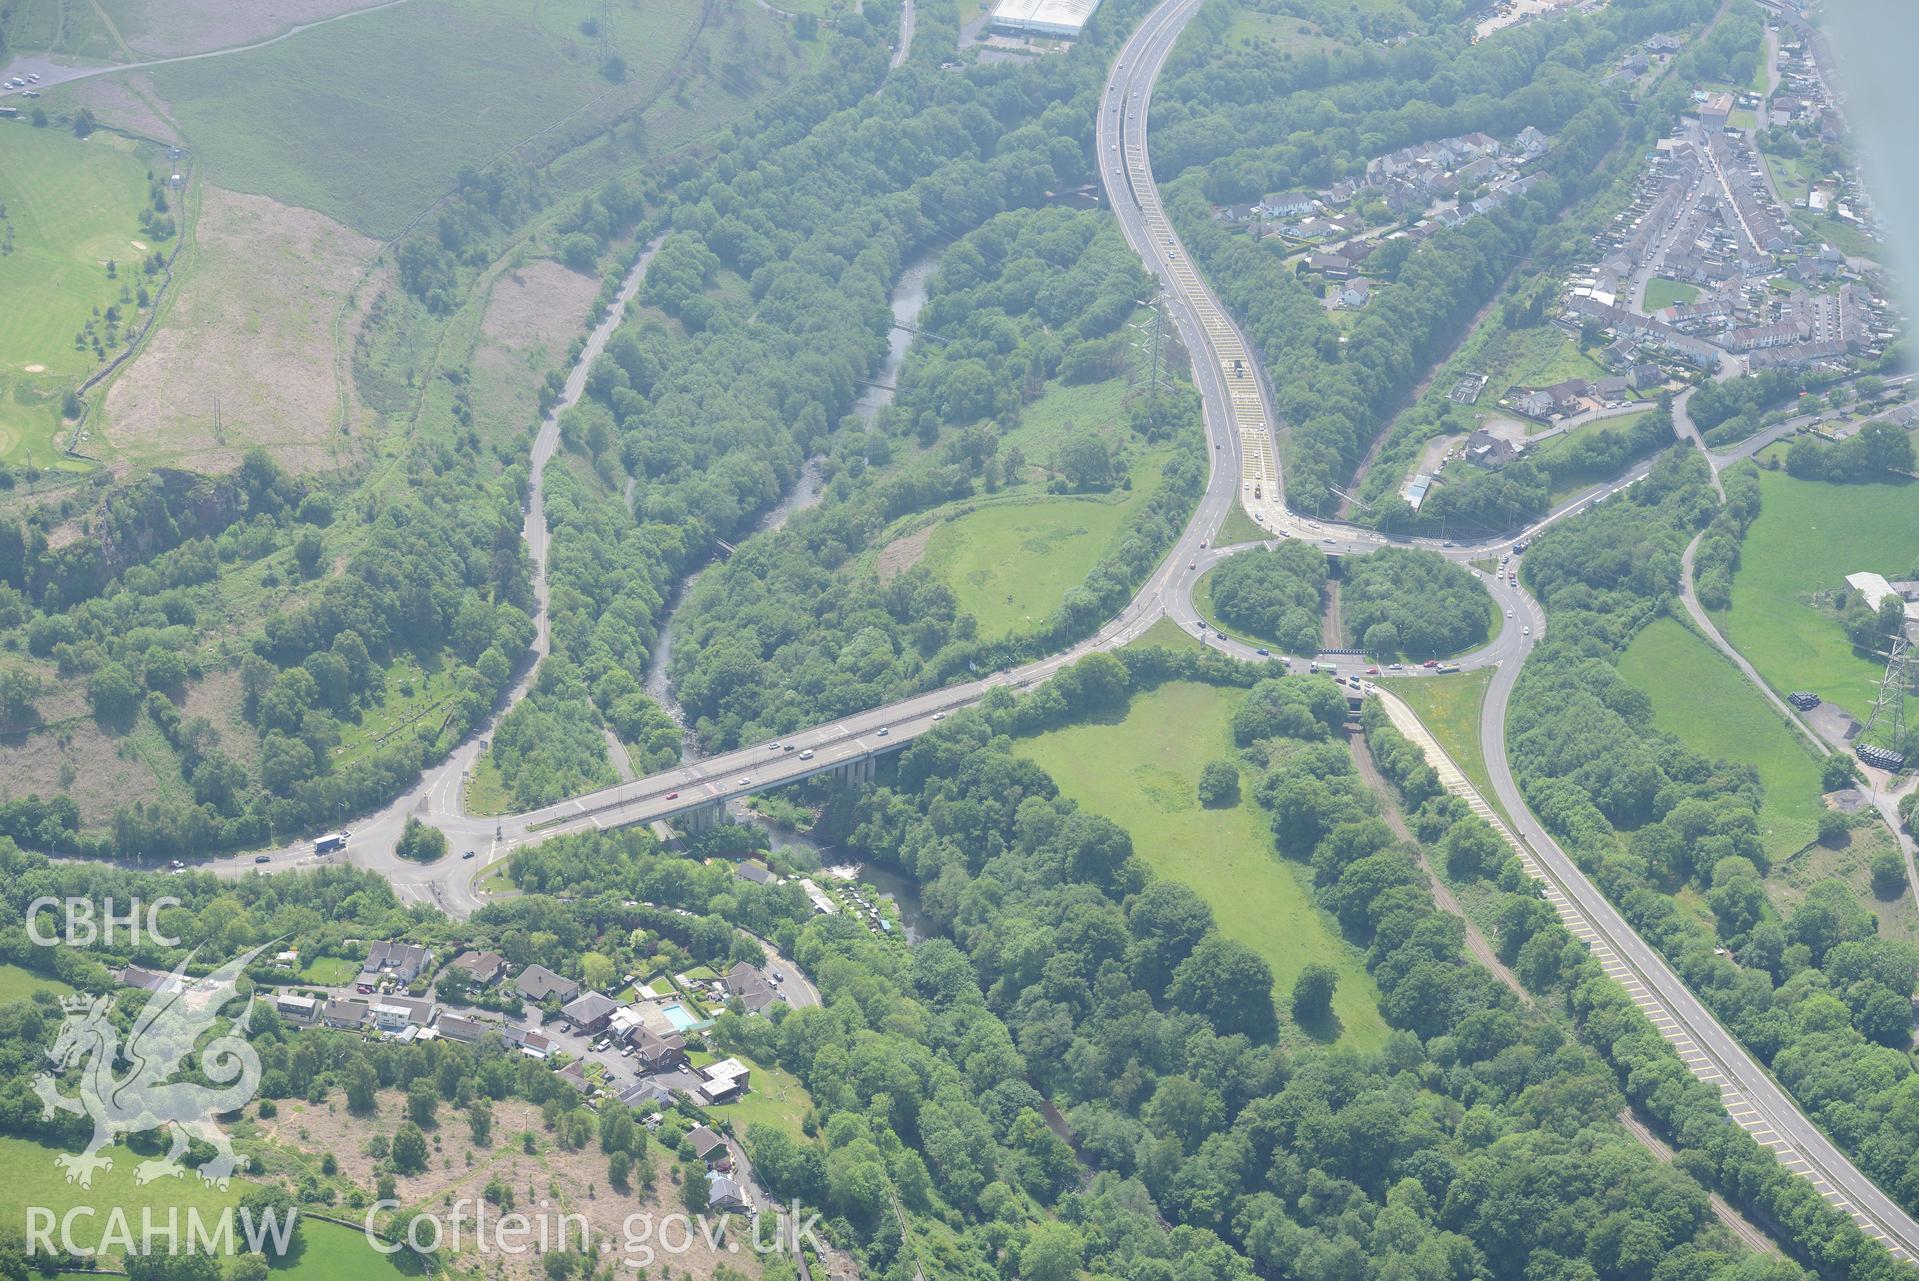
x=77, y=1004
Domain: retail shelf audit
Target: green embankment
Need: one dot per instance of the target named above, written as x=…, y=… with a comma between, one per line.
x=1449, y=707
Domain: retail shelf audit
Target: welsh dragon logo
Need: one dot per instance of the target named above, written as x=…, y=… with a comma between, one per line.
x=144, y=1097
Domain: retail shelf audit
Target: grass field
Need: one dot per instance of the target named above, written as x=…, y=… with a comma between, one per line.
x=80, y=30
x=486, y=789
x=329, y=971
x=17, y=983
x=1536, y=357
x=1011, y=563
x=1792, y=175
x=442, y=82
x=1848, y=238
x=775, y=1098
x=1808, y=537
x=28, y=1177
x=1277, y=33
x=1062, y=409
x=1142, y=773
x=1702, y=700
x=1662, y=293
x=70, y=207
x=1449, y=706
x=243, y=353
x=1011, y=558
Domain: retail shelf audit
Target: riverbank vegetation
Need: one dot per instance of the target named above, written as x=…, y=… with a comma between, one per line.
x=864, y=598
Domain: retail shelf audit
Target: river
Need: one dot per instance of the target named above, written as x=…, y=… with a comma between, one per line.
x=907, y=299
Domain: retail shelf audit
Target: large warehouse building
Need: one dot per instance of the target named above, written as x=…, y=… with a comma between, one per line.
x=1061, y=19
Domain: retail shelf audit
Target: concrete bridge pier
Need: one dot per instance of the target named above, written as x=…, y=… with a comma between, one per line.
x=703, y=819
x=856, y=773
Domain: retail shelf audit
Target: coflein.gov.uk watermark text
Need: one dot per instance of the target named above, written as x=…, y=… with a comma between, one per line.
x=465, y=1226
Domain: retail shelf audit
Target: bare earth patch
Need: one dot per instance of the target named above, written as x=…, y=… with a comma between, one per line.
x=244, y=354
x=170, y=28
x=548, y=1183
x=902, y=554
x=531, y=315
